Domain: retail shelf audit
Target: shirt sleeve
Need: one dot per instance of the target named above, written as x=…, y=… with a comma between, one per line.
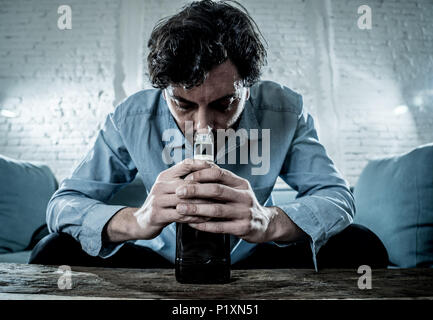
x=324, y=205
x=78, y=207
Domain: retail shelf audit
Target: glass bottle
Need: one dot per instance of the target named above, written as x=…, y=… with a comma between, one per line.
x=202, y=257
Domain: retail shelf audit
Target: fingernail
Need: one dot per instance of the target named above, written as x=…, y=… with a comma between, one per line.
x=181, y=191
x=189, y=177
x=181, y=208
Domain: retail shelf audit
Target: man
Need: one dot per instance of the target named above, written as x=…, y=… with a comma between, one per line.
x=205, y=64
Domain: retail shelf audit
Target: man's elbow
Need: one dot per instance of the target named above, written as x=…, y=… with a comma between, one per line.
x=351, y=204
x=58, y=202
x=51, y=215
x=345, y=200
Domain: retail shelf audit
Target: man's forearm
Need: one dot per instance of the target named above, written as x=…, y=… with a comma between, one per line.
x=283, y=229
x=122, y=226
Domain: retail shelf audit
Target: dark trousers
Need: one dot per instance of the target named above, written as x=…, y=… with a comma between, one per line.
x=354, y=246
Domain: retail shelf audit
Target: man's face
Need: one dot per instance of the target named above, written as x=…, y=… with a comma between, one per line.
x=217, y=103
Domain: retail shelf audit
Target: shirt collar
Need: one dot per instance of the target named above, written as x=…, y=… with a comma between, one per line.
x=248, y=119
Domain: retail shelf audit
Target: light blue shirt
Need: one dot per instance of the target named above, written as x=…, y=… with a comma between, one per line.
x=131, y=141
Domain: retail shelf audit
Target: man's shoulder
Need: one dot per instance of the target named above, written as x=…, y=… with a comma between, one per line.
x=272, y=96
x=143, y=102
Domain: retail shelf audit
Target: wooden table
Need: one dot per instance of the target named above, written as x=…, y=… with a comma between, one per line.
x=21, y=281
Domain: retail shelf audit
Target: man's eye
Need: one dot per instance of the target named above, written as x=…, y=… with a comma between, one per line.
x=183, y=106
x=226, y=104
x=222, y=106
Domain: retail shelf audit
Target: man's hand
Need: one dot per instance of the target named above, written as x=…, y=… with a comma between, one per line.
x=238, y=211
x=159, y=209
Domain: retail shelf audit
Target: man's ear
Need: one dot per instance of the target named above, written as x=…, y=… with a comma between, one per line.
x=247, y=94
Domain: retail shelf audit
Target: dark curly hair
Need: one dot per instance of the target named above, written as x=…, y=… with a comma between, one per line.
x=186, y=46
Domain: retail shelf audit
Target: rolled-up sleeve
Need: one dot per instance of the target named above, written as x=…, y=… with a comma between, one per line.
x=79, y=206
x=324, y=205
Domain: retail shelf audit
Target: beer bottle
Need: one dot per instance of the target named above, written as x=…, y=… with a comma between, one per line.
x=202, y=257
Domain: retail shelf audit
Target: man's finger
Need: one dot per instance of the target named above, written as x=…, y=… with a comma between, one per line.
x=217, y=174
x=212, y=210
x=171, y=215
x=236, y=227
x=183, y=168
x=192, y=219
x=212, y=191
x=172, y=200
x=168, y=187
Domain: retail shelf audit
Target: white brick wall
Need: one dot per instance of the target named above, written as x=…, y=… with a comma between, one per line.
x=63, y=83
x=378, y=70
x=60, y=82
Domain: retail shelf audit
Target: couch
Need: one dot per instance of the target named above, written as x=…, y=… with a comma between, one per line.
x=394, y=199
x=25, y=190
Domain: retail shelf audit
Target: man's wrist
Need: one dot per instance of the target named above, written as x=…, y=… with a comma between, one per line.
x=122, y=226
x=282, y=228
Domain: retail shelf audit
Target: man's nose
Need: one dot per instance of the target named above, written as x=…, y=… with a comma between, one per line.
x=203, y=118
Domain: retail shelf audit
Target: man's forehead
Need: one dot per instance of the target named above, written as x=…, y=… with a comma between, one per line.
x=211, y=92
x=220, y=81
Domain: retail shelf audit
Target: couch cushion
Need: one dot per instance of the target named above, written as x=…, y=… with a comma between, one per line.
x=16, y=257
x=394, y=199
x=25, y=190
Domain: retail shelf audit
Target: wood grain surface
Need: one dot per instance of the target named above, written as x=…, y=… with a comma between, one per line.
x=23, y=281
